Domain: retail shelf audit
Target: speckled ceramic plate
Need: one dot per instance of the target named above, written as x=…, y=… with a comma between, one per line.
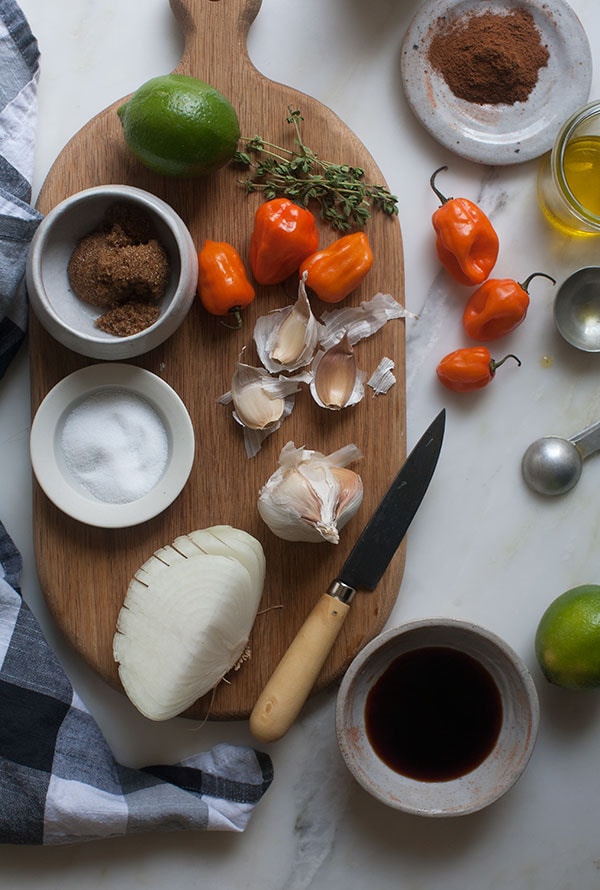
x=499, y=134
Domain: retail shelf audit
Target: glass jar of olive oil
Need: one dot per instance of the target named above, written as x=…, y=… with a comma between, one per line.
x=569, y=178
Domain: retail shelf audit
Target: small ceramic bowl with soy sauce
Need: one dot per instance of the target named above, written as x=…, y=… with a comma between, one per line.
x=437, y=717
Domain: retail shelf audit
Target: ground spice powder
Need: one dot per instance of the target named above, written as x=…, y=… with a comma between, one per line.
x=489, y=58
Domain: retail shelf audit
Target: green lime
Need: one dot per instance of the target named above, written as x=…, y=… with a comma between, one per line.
x=567, y=640
x=180, y=126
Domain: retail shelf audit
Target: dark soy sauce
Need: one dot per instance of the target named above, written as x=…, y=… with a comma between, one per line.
x=434, y=714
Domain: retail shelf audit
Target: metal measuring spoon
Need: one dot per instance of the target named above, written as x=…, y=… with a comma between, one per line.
x=577, y=309
x=552, y=465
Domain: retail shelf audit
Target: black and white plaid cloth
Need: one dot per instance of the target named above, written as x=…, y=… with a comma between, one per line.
x=19, y=73
x=59, y=782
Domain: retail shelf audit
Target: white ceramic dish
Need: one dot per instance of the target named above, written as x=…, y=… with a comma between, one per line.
x=499, y=134
x=64, y=489
x=71, y=321
x=486, y=782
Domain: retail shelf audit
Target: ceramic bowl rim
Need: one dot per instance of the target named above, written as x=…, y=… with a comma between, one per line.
x=346, y=734
x=44, y=443
x=174, y=310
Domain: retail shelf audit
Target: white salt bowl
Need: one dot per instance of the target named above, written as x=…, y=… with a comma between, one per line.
x=65, y=488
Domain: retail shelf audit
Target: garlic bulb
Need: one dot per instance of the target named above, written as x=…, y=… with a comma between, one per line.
x=286, y=339
x=337, y=381
x=310, y=497
x=186, y=618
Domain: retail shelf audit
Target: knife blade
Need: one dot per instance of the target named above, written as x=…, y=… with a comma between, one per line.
x=286, y=691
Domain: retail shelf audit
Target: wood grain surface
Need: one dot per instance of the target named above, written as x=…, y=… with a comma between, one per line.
x=84, y=571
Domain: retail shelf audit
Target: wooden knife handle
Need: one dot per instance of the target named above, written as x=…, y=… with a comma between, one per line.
x=292, y=680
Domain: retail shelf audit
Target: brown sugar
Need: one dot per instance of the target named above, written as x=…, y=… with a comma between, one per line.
x=122, y=263
x=128, y=318
x=489, y=58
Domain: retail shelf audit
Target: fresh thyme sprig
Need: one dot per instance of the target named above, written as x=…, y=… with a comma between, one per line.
x=344, y=198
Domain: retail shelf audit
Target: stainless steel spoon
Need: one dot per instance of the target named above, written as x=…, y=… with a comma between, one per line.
x=552, y=465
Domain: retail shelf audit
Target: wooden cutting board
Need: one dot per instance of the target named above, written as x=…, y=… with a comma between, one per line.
x=84, y=571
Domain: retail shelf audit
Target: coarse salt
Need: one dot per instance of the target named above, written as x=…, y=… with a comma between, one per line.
x=115, y=445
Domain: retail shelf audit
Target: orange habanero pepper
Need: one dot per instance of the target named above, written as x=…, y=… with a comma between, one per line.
x=466, y=244
x=284, y=235
x=469, y=368
x=223, y=285
x=337, y=270
x=497, y=307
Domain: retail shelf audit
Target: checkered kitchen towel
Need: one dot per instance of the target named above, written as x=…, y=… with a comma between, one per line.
x=19, y=72
x=59, y=782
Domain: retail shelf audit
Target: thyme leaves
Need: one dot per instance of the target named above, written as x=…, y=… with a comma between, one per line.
x=344, y=198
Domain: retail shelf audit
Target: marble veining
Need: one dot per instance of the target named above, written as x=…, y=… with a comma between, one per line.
x=482, y=546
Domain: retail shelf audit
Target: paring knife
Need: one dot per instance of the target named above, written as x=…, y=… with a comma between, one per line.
x=289, y=686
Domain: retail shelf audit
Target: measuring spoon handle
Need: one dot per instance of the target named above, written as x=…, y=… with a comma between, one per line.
x=587, y=441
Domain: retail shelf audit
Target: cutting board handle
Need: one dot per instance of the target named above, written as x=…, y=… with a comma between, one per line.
x=214, y=30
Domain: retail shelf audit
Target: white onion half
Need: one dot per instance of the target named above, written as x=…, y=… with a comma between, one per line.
x=187, y=617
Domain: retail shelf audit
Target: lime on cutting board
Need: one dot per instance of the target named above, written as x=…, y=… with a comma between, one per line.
x=178, y=125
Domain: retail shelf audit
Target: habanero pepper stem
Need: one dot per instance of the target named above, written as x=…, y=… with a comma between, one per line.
x=497, y=307
x=466, y=244
x=469, y=368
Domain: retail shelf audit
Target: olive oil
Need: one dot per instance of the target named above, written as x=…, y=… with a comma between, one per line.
x=581, y=167
x=434, y=714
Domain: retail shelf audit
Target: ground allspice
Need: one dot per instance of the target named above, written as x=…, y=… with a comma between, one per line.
x=124, y=267
x=489, y=58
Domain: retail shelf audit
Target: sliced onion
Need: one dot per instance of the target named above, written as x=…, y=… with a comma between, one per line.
x=187, y=617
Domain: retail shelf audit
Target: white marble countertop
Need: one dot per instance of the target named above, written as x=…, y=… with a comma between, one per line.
x=482, y=547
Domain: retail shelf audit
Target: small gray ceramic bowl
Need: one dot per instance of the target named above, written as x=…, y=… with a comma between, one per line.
x=71, y=321
x=577, y=309
x=473, y=790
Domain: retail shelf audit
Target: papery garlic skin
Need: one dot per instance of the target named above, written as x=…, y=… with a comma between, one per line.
x=286, y=339
x=311, y=497
x=382, y=378
x=359, y=322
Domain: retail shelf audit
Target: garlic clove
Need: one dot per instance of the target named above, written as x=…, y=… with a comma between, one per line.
x=337, y=381
x=255, y=407
x=287, y=338
x=350, y=491
x=296, y=492
x=291, y=337
x=253, y=394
